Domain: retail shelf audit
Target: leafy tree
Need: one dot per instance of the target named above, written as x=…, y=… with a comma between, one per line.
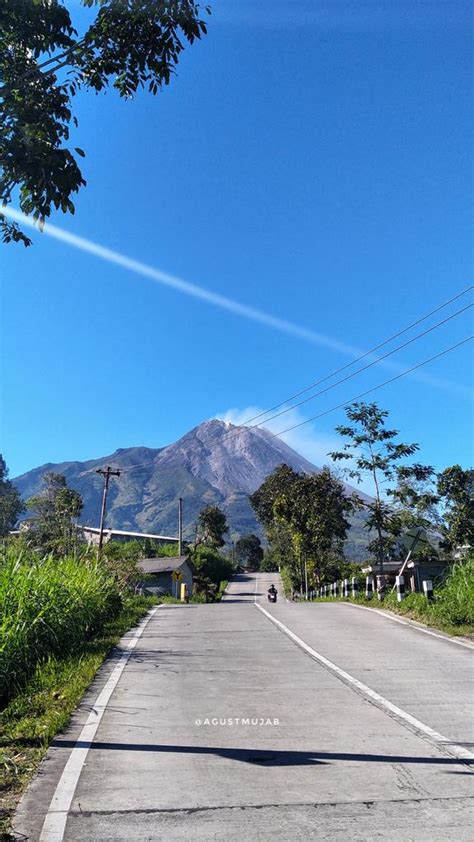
x=456, y=490
x=130, y=44
x=55, y=511
x=210, y=568
x=121, y=560
x=269, y=563
x=248, y=551
x=316, y=514
x=415, y=503
x=212, y=526
x=11, y=504
x=309, y=511
x=373, y=450
x=277, y=485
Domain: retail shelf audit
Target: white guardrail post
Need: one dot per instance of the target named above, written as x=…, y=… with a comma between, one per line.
x=428, y=588
x=400, y=585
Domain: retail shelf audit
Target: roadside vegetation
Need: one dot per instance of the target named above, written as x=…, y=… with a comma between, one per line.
x=62, y=610
x=451, y=609
x=37, y=712
x=307, y=518
x=212, y=569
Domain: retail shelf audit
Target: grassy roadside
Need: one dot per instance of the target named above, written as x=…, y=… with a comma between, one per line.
x=451, y=610
x=413, y=607
x=34, y=716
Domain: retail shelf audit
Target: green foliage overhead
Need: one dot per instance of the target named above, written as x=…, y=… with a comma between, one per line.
x=130, y=44
x=11, y=504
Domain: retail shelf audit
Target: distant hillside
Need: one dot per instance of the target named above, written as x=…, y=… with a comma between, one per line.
x=216, y=463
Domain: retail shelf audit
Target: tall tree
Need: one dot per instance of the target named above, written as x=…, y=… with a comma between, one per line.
x=11, y=504
x=373, y=451
x=212, y=526
x=248, y=551
x=456, y=490
x=130, y=44
x=55, y=511
x=277, y=486
x=311, y=513
x=415, y=504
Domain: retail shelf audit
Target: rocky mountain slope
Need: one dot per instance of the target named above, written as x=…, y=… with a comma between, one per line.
x=215, y=463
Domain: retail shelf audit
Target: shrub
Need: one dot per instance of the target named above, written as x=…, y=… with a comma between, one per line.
x=48, y=607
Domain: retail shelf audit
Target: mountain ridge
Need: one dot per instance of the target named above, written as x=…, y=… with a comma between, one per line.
x=215, y=462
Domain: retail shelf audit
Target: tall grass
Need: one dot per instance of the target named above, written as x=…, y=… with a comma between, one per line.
x=48, y=607
x=455, y=600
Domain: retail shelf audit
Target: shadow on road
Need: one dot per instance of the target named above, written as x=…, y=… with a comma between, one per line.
x=265, y=758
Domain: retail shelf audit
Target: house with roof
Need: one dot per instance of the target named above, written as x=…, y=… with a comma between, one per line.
x=165, y=575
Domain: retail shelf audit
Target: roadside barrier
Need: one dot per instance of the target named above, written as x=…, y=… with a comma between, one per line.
x=346, y=587
x=354, y=586
x=400, y=585
x=380, y=588
x=428, y=588
x=369, y=587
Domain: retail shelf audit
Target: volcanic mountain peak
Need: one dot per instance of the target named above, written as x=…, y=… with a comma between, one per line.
x=215, y=463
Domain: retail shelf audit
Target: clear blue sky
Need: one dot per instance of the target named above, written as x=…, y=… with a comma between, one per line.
x=312, y=160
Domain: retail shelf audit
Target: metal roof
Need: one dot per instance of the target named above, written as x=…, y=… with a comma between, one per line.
x=162, y=565
x=96, y=530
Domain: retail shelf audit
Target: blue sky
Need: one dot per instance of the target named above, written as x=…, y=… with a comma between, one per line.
x=310, y=160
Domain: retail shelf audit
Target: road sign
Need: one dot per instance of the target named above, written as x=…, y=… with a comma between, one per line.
x=415, y=538
x=177, y=575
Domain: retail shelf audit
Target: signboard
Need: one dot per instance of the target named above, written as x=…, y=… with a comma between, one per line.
x=415, y=538
x=177, y=575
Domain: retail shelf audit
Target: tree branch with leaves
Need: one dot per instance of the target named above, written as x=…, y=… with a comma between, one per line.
x=131, y=44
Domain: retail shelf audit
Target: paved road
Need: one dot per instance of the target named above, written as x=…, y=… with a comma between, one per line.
x=221, y=725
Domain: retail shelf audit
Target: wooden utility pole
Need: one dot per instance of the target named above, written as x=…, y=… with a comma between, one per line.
x=180, y=526
x=106, y=474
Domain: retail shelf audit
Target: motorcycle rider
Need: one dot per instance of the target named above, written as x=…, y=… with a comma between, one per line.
x=272, y=592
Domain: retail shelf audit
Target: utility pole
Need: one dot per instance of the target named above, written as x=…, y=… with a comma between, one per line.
x=180, y=526
x=106, y=474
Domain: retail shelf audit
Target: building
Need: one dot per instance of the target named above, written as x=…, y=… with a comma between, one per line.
x=92, y=533
x=159, y=575
x=415, y=572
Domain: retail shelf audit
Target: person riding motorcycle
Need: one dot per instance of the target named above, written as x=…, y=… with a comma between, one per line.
x=272, y=593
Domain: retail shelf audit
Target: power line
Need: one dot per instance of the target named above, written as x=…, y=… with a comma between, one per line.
x=355, y=397
x=230, y=433
x=359, y=370
x=358, y=359
x=374, y=388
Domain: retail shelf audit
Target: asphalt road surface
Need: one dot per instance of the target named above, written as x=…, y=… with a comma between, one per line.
x=287, y=722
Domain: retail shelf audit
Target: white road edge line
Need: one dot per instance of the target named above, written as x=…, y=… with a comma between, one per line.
x=406, y=719
x=55, y=821
x=388, y=616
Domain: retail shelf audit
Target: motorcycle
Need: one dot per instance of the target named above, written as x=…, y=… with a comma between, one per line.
x=272, y=596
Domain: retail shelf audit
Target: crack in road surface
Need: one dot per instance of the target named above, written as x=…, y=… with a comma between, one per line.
x=188, y=811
